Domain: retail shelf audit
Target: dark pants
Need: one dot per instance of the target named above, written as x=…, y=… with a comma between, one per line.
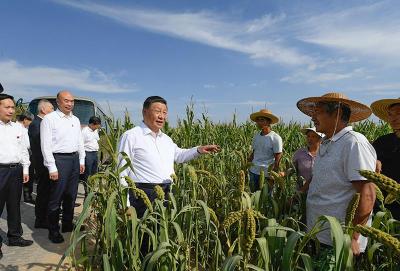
x=64, y=191
x=141, y=207
x=10, y=194
x=91, y=162
x=28, y=187
x=43, y=192
x=254, y=182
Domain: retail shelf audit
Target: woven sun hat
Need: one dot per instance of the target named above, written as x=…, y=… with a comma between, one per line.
x=380, y=108
x=359, y=111
x=266, y=114
x=313, y=129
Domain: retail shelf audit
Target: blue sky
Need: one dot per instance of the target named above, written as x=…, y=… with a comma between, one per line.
x=226, y=56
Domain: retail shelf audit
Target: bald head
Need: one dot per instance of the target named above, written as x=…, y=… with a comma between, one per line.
x=65, y=101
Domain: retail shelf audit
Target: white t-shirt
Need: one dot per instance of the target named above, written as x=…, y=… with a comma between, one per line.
x=265, y=146
x=336, y=166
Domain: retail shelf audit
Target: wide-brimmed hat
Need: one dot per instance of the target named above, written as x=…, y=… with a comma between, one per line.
x=266, y=114
x=313, y=129
x=359, y=111
x=380, y=108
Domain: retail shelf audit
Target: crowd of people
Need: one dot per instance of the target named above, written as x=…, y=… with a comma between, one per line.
x=61, y=151
x=52, y=147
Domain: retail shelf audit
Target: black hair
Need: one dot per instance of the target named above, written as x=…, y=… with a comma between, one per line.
x=4, y=96
x=25, y=115
x=332, y=107
x=153, y=99
x=94, y=120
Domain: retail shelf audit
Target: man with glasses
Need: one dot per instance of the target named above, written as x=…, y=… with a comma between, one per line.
x=341, y=154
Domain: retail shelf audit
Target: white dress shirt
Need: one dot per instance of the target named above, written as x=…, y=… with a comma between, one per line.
x=60, y=133
x=90, y=139
x=152, y=155
x=12, y=145
x=26, y=137
x=336, y=166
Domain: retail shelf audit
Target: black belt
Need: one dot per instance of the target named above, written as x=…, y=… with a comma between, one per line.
x=151, y=185
x=65, y=153
x=13, y=165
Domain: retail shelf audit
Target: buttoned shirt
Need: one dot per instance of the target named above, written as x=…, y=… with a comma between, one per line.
x=265, y=146
x=152, y=155
x=336, y=167
x=90, y=139
x=60, y=133
x=13, y=145
x=26, y=137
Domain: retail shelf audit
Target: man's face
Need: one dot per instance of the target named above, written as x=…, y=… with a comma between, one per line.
x=312, y=138
x=262, y=122
x=94, y=126
x=26, y=122
x=65, y=102
x=7, y=110
x=47, y=108
x=394, y=117
x=324, y=122
x=155, y=116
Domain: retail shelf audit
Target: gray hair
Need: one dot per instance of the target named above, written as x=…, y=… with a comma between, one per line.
x=42, y=104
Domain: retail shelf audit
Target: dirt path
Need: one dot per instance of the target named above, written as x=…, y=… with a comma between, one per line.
x=42, y=255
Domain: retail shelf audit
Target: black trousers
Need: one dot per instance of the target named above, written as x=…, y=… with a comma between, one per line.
x=10, y=195
x=141, y=207
x=43, y=192
x=28, y=187
x=91, y=163
x=63, y=191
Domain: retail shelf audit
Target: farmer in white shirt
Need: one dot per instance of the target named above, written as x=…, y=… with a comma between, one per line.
x=335, y=173
x=267, y=147
x=14, y=165
x=153, y=153
x=91, y=137
x=64, y=157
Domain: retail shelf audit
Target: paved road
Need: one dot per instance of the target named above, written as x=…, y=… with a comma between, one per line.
x=42, y=255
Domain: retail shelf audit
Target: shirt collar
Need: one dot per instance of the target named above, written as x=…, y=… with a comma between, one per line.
x=62, y=115
x=146, y=130
x=342, y=132
x=6, y=123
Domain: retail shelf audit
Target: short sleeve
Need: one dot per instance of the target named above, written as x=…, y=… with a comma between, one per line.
x=360, y=155
x=277, y=145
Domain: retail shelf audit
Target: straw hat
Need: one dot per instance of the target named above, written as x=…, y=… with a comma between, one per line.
x=305, y=131
x=266, y=114
x=359, y=111
x=380, y=108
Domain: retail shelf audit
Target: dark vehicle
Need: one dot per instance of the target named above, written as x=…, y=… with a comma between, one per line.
x=84, y=108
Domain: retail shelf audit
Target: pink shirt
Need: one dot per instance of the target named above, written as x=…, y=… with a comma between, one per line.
x=303, y=162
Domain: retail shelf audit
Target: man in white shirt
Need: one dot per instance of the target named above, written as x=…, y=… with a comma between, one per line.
x=90, y=141
x=343, y=152
x=14, y=165
x=42, y=174
x=24, y=120
x=153, y=153
x=64, y=157
x=267, y=147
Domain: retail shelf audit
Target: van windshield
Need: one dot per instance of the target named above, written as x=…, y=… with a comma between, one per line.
x=82, y=109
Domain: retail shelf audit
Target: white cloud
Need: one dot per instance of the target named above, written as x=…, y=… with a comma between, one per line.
x=208, y=86
x=29, y=81
x=311, y=77
x=255, y=38
x=371, y=30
